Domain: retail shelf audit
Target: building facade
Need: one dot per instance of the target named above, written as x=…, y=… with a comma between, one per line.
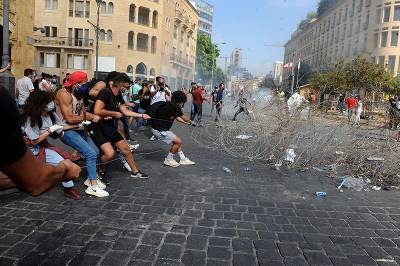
x=21, y=28
x=351, y=28
x=179, y=43
x=206, y=14
x=132, y=36
x=277, y=71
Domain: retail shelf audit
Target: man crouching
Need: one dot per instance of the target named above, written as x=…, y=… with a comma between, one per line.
x=163, y=115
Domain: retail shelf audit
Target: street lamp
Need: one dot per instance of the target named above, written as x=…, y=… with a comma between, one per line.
x=213, y=64
x=97, y=28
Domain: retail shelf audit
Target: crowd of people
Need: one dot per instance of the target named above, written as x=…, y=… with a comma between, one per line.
x=354, y=105
x=94, y=118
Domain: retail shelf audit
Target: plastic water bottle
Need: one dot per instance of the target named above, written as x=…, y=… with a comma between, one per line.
x=320, y=194
x=227, y=170
x=247, y=169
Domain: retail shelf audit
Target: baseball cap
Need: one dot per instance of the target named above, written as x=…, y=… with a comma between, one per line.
x=76, y=77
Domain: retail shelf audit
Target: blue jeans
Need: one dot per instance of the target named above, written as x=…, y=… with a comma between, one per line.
x=75, y=139
x=53, y=158
x=350, y=114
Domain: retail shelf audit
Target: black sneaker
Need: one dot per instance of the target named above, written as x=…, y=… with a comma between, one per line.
x=139, y=175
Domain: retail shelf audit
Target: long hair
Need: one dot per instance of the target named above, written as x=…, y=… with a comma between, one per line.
x=35, y=106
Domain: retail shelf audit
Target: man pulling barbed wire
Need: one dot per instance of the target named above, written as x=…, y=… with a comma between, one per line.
x=243, y=104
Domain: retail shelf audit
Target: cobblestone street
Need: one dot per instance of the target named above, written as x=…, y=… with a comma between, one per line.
x=202, y=216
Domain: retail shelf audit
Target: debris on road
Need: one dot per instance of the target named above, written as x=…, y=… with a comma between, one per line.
x=243, y=137
x=375, y=159
x=351, y=182
x=318, y=169
x=290, y=155
x=227, y=170
x=376, y=188
x=320, y=194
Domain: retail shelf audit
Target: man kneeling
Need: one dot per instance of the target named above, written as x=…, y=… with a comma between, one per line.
x=163, y=115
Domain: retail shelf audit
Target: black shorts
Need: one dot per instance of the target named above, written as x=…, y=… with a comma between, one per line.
x=105, y=133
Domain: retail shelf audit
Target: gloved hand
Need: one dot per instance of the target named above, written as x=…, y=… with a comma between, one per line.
x=84, y=123
x=55, y=128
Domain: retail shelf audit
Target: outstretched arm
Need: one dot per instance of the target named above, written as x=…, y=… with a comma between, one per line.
x=35, y=177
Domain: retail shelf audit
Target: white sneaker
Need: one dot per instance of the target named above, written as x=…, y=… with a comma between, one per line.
x=153, y=138
x=134, y=146
x=99, y=183
x=186, y=161
x=96, y=191
x=171, y=162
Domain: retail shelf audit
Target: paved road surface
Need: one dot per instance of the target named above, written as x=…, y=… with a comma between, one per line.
x=201, y=215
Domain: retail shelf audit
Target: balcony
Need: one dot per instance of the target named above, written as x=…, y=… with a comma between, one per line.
x=64, y=42
x=181, y=61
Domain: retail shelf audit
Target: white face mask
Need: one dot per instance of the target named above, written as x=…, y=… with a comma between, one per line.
x=50, y=106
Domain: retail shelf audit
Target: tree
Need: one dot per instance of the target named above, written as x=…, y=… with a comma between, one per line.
x=325, y=5
x=206, y=57
x=219, y=76
x=357, y=74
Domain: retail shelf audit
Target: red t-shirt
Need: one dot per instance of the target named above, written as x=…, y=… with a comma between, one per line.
x=198, y=96
x=351, y=103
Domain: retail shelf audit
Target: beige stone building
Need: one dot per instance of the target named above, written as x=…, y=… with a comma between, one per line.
x=179, y=42
x=353, y=27
x=21, y=28
x=133, y=37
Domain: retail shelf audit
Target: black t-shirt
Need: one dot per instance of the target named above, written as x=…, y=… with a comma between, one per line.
x=145, y=103
x=164, y=115
x=12, y=144
x=111, y=103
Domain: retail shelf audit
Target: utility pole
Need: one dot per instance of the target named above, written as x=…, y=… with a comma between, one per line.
x=97, y=38
x=7, y=80
x=292, y=87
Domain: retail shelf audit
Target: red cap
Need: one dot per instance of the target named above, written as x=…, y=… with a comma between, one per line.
x=76, y=77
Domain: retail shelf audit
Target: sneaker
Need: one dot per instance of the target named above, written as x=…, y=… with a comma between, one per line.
x=134, y=146
x=186, y=161
x=171, y=162
x=153, y=138
x=99, y=183
x=140, y=175
x=96, y=191
x=72, y=193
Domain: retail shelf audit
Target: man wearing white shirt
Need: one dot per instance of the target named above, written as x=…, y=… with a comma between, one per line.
x=25, y=86
x=159, y=92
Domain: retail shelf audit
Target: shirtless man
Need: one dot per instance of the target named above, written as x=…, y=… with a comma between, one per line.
x=72, y=112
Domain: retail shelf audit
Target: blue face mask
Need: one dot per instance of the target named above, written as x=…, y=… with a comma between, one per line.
x=83, y=88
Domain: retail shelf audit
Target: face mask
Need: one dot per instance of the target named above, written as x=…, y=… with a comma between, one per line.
x=50, y=106
x=83, y=88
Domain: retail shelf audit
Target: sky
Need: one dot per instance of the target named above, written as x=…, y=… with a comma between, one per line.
x=250, y=24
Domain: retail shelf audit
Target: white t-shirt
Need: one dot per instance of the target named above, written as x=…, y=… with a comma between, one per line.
x=24, y=87
x=359, y=107
x=158, y=97
x=42, y=85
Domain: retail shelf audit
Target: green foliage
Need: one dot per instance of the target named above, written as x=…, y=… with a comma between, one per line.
x=206, y=56
x=324, y=6
x=357, y=74
x=219, y=76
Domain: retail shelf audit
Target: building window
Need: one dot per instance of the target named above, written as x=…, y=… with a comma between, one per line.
x=79, y=8
x=50, y=31
x=50, y=60
x=381, y=61
x=131, y=40
x=51, y=4
x=378, y=16
x=77, y=61
x=366, y=23
x=132, y=9
x=142, y=42
x=103, y=7
x=395, y=38
x=175, y=32
x=109, y=36
x=391, y=63
x=144, y=16
x=102, y=35
x=384, y=38
x=110, y=9
x=155, y=20
x=376, y=38
x=154, y=45
x=182, y=36
x=386, y=14
x=396, y=16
